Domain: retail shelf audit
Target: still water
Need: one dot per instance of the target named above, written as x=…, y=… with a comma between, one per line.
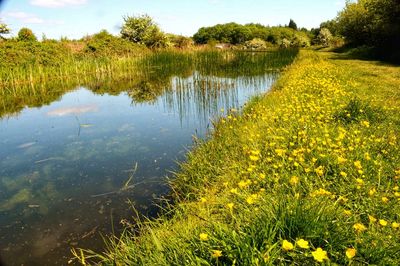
x=64, y=165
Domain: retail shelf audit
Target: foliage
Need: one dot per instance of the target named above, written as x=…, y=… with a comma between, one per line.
x=324, y=37
x=16, y=53
x=371, y=22
x=288, y=181
x=256, y=44
x=104, y=44
x=143, y=30
x=331, y=25
x=179, y=41
x=26, y=35
x=234, y=33
x=4, y=30
x=292, y=24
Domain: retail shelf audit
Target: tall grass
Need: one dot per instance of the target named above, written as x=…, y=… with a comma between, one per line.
x=145, y=75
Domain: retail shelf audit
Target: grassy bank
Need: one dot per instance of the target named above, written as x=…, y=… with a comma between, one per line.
x=309, y=173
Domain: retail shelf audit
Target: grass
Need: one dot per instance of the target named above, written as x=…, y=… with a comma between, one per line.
x=145, y=76
x=307, y=174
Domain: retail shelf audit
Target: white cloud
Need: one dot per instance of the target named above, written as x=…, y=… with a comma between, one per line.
x=57, y=3
x=31, y=18
x=25, y=17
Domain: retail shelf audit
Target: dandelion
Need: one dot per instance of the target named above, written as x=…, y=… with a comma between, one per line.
x=365, y=123
x=343, y=174
x=319, y=255
x=351, y=253
x=230, y=206
x=234, y=191
x=385, y=199
x=360, y=181
x=319, y=170
x=383, y=222
x=372, y=219
x=320, y=192
x=203, y=237
x=358, y=165
x=280, y=152
x=341, y=160
x=294, y=180
x=251, y=199
x=287, y=246
x=395, y=225
x=254, y=158
x=372, y=192
x=216, y=253
x=347, y=212
x=359, y=227
x=302, y=243
x=243, y=184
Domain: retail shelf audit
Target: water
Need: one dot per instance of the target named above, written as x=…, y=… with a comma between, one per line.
x=64, y=165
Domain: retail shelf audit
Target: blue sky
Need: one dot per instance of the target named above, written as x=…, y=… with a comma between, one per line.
x=77, y=18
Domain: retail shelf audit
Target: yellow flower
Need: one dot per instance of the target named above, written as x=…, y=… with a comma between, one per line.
x=280, y=152
x=359, y=227
x=320, y=192
x=358, y=165
x=359, y=181
x=234, y=191
x=319, y=170
x=351, y=253
x=294, y=180
x=251, y=199
x=341, y=160
x=243, y=184
x=203, y=200
x=372, y=219
x=365, y=123
x=216, y=253
x=320, y=255
x=262, y=176
x=372, y=192
x=347, y=212
x=343, y=174
x=383, y=222
x=286, y=245
x=385, y=199
x=395, y=225
x=302, y=243
x=203, y=237
x=254, y=158
x=230, y=205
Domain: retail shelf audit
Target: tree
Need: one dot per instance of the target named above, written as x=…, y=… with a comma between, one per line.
x=3, y=30
x=143, y=30
x=27, y=35
x=371, y=22
x=331, y=25
x=324, y=37
x=292, y=24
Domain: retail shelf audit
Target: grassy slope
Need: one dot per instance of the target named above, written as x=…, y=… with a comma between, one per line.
x=316, y=159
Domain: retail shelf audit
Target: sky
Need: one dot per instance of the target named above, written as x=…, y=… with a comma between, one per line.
x=77, y=18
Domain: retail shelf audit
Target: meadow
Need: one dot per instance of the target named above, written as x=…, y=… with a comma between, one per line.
x=307, y=174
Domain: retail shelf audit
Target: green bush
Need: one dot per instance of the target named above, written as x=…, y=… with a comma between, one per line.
x=26, y=35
